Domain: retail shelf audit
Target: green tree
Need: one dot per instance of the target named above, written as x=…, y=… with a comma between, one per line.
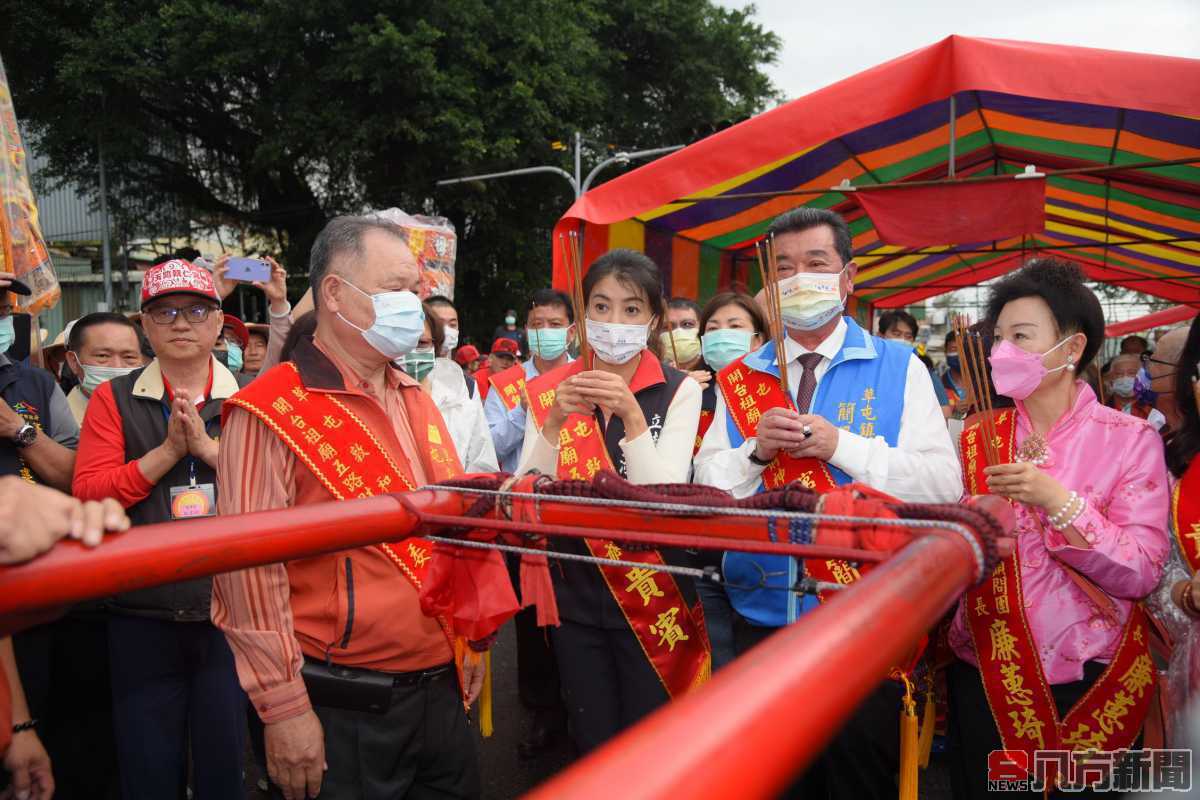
x=275, y=115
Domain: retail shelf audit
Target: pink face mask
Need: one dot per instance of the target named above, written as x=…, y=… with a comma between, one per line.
x=1017, y=373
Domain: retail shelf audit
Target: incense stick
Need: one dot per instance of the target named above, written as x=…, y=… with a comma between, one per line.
x=768, y=269
x=966, y=356
x=985, y=394
x=971, y=356
x=573, y=262
x=780, y=331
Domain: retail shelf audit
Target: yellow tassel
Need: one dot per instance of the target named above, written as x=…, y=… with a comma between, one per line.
x=485, y=698
x=908, y=744
x=928, y=723
x=704, y=675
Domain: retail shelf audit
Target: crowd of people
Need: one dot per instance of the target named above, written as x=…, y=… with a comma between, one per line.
x=339, y=682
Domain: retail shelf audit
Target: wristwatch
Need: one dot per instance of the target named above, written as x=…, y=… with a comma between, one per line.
x=24, y=436
x=754, y=459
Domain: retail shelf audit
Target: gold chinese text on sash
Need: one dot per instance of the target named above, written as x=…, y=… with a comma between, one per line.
x=749, y=394
x=706, y=418
x=1185, y=515
x=671, y=634
x=510, y=384
x=1109, y=716
x=341, y=450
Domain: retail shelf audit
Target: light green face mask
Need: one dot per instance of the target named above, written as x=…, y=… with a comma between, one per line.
x=234, y=357
x=724, y=346
x=547, y=343
x=93, y=376
x=418, y=364
x=7, y=333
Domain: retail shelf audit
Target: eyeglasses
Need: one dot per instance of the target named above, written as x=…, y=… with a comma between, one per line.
x=165, y=315
x=1147, y=358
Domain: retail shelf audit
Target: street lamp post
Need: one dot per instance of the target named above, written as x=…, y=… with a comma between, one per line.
x=579, y=184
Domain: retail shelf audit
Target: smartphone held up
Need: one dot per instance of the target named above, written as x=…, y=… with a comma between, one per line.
x=248, y=270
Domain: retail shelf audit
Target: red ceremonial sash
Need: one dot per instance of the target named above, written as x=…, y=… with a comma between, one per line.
x=748, y=394
x=345, y=455
x=1185, y=515
x=1109, y=716
x=706, y=420
x=510, y=384
x=671, y=634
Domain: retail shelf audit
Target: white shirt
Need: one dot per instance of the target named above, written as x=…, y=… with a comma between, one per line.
x=463, y=415
x=922, y=468
x=649, y=458
x=508, y=424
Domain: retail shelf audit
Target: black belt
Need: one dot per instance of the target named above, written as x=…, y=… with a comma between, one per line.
x=358, y=689
x=422, y=676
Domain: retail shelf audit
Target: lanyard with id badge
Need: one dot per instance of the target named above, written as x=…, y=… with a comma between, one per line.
x=195, y=499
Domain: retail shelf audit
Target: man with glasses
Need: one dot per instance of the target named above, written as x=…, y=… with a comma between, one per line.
x=149, y=440
x=861, y=409
x=1155, y=383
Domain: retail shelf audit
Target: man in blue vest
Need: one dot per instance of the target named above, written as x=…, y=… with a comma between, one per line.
x=864, y=411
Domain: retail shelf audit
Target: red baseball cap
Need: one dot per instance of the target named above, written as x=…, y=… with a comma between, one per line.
x=506, y=345
x=239, y=329
x=466, y=354
x=178, y=276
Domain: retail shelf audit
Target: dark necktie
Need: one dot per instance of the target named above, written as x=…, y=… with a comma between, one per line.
x=808, y=381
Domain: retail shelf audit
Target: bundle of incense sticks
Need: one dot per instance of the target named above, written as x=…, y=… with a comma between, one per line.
x=768, y=268
x=979, y=393
x=572, y=252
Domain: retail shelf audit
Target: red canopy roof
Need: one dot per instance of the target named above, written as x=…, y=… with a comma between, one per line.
x=698, y=211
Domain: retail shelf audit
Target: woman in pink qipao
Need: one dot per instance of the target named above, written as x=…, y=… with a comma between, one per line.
x=1090, y=491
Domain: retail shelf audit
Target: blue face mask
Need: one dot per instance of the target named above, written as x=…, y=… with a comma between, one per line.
x=1141, y=388
x=547, y=343
x=7, y=333
x=953, y=363
x=721, y=348
x=233, y=356
x=399, y=322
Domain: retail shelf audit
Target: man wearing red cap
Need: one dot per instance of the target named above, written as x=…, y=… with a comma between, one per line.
x=231, y=348
x=505, y=353
x=149, y=440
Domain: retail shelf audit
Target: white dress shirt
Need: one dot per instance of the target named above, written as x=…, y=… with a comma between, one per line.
x=655, y=456
x=507, y=425
x=922, y=468
x=463, y=414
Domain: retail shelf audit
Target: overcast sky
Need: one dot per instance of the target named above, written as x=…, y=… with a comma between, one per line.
x=825, y=42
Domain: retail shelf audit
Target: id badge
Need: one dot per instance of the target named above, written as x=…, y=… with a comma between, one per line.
x=194, y=500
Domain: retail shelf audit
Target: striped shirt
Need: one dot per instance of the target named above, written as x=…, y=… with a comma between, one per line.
x=269, y=628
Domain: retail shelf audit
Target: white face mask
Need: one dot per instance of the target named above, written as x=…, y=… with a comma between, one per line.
x=450, y=340
x=615, y=343
x=809, y=300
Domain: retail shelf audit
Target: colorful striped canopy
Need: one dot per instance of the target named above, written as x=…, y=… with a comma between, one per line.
x=1079, y=115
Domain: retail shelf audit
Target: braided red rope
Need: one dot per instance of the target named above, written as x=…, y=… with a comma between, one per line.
x=794, y=497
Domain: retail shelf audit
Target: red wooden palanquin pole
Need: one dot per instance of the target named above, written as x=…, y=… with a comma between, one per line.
x=746, y=734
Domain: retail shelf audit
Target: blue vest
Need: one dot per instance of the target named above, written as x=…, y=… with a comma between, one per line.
x=861, y=392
